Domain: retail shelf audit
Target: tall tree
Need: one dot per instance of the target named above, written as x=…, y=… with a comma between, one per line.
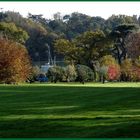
x=94, y=45
x=119, y=35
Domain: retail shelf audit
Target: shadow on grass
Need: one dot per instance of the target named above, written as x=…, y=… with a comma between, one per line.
x=62, y=128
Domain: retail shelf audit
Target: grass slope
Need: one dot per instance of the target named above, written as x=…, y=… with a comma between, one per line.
x=70, y=110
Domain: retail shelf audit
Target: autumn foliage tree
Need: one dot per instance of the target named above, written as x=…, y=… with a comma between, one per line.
x=126, y=70
x=130, y=70
x=113, y=68
x=14, y=62
x=113, y=72
x=133, y=46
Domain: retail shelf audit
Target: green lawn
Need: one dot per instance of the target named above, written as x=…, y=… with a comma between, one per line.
x=70, y=110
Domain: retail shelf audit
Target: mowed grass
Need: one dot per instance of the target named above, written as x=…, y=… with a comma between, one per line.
x=70, y=110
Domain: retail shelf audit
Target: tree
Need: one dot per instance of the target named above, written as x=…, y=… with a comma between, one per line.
x=103, y=73
x=14, y=62
x=113, y=72
x=70, y=73
x=84, y=73
x=110, y=69
x=11, y=31
x=68, y=50
x=94, y=46
x=107, y=60
x=116, y=20
x=135, y=74
x=55, y=73
x=126, y=70
x=119, y=35
x=130, y=70
x=35, y=71
x=36, y=44
x=133, y=46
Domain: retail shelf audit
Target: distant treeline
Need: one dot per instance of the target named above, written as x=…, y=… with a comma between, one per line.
x=37, y=32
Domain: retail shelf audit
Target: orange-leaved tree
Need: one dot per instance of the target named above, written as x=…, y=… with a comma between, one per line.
x=14, y=62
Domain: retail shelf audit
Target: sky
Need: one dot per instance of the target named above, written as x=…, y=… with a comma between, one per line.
x=103, y=9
